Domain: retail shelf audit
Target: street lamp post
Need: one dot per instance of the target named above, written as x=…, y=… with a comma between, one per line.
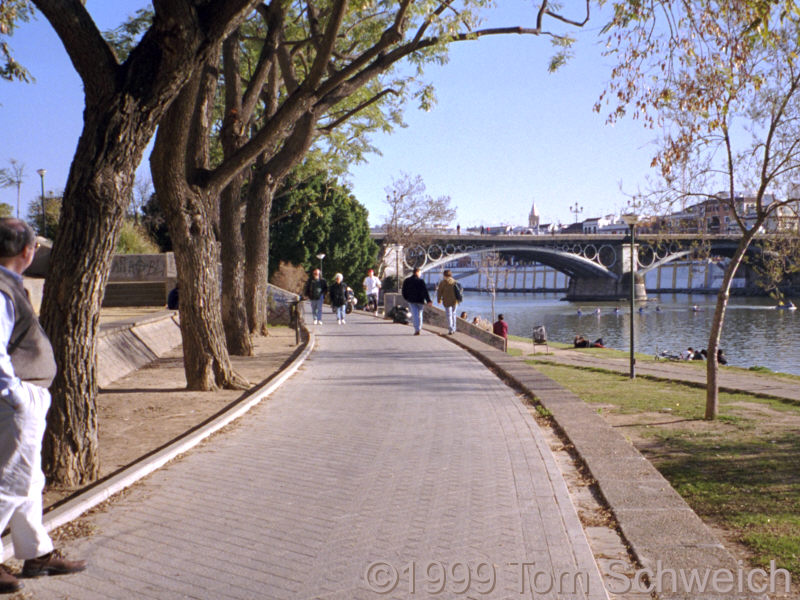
x=320, y=256
x=396, y=269
x=630, y=221
x=41, y=173
x=576, y=210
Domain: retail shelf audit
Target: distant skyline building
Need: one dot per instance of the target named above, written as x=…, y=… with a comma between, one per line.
x=533, y=218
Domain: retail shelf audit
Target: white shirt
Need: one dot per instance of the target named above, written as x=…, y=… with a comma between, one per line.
x=372, y=284
x=8, y=381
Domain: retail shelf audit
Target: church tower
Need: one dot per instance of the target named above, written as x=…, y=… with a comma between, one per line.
x=533, y=218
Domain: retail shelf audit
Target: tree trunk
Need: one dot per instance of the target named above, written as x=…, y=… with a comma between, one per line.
x=75, y=286
x=93, y=206
x=124, y=104
x=234, y=309
x=205, y=356
x=190, y=212
x=714, y=336
x=268, y=176
x=256, y=232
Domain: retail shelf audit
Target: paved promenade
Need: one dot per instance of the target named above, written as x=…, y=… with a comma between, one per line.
x=385, y=459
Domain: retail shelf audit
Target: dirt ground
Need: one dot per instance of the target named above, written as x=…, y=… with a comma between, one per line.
x=151, y=407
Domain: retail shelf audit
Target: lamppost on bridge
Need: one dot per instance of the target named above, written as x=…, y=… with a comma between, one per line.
x=320, y=256
x=630, y=220
x=41, y=173
x=576, y=210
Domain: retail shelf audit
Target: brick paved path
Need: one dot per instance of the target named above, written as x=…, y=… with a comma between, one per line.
x=387, y=457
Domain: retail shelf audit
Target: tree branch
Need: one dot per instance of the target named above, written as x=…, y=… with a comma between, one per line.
x=218, y=17
x=561, y=18
x=349, y=114
x=92, y=57
x=273, y=15
x=325, y=48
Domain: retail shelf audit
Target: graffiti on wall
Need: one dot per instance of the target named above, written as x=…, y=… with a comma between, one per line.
x=142, y=267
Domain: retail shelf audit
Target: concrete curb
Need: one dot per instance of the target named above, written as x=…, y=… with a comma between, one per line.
x=663, y=531
x=104, y=489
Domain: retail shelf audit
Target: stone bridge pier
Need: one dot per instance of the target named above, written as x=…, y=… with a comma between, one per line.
x=587, y=287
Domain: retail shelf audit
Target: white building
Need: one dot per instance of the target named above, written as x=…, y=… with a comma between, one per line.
x=594, y=225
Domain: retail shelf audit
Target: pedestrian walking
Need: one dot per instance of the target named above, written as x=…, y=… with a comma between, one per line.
x=415, y=292
x=316, y=288
x=27, y=368
x=447, y=296
x=372, y=287
x=338, y=294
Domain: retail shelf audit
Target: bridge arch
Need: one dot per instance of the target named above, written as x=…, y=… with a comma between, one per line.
x=569, y=263
x=724, y=248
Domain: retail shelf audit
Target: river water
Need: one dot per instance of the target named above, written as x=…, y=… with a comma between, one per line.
x=754, y=332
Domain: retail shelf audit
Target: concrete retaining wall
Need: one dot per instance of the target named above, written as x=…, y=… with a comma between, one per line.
x=137, y=293
x=438, y=318
x=124, y=350
x=280, y=302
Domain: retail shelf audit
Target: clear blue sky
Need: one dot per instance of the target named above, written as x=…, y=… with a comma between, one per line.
x=503, y=134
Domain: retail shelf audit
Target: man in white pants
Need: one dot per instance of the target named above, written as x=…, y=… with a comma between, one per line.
x=27, y=368
x=372, y=287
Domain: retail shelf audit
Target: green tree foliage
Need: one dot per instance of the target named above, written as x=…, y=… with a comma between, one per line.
x=52, y=211
x=12, y=12
x=6, y=210
x=134, y=239
x=322, y=216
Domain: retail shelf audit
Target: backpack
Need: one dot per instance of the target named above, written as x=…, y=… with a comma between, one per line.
x=458, y=290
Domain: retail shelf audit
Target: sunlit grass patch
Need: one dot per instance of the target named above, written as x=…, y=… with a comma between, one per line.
x=740, y=471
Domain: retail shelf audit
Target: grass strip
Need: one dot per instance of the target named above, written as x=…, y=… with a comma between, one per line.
x=740, y=472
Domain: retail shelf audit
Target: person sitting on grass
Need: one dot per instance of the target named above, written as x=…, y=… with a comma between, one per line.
x=581, y=342
x=721, y=358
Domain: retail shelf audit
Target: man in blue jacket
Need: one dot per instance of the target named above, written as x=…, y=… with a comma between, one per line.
x=415, y=292
x=316, y=288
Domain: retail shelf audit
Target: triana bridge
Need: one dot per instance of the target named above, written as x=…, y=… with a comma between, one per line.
x=598, y=265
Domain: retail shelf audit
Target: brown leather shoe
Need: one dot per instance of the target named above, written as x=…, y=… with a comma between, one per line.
x=53, y=563
x=8, y=583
